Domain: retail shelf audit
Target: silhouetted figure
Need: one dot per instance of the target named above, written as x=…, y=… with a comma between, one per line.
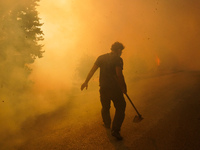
x=112, y=87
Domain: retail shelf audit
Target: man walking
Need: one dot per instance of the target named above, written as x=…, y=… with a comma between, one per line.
x=112, y=87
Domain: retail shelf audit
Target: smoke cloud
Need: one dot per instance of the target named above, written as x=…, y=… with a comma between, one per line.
x=77, y=32
x=167, y=30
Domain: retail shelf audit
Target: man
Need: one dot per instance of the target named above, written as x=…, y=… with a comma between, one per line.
x=112, y=87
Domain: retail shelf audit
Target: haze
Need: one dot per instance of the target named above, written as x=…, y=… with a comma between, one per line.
x=159, y=36
x=73, y=30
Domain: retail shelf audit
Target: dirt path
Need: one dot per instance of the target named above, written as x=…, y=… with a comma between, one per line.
x=169, y=104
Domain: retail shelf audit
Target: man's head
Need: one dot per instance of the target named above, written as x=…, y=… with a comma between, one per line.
x=117, y=47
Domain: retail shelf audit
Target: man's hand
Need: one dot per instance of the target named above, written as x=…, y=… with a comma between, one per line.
x=84, y=85
x=120, y=79
x=124, y=90
x=89, y=76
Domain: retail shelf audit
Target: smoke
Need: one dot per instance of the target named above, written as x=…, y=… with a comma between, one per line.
x=149, y=30
x=77, y=32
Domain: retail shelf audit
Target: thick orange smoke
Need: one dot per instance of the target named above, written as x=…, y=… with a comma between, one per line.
x=74, y=30
x=77, y=32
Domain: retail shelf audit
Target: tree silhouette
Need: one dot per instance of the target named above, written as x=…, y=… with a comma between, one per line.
x=20, y=33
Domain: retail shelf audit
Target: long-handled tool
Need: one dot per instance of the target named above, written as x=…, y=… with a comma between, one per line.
x=138, y=117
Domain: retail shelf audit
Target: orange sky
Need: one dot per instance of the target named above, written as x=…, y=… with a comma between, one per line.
x=76, y=29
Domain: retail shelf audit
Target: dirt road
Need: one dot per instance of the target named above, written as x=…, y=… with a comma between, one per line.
x=169, y=103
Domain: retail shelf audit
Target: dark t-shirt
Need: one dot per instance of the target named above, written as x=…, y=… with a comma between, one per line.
x=108, y=63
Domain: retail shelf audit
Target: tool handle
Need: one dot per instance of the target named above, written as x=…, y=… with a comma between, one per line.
x=133, y=105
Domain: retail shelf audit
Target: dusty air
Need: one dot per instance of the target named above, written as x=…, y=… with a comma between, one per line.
x=99, y=74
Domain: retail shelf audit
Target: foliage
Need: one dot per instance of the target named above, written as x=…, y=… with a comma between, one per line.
x=20, y=33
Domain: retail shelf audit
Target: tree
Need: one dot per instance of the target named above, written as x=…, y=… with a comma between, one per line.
x=20, y=33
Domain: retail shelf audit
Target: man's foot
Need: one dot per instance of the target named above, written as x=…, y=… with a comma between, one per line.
x=117, y=135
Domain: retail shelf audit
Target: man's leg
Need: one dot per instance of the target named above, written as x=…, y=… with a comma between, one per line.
x=120, y=105
x=105, y=111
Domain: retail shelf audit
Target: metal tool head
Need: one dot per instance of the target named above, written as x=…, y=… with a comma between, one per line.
x=137, y=119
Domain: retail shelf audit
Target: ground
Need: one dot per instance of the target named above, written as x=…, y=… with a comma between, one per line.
x=169, y=104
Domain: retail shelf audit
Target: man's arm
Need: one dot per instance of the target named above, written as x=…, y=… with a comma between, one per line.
x=89, y=76
x=120, y=78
